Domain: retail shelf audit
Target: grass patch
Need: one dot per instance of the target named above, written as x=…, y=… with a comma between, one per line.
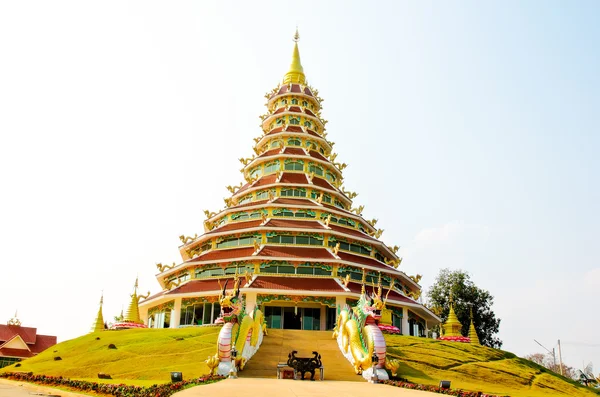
x=141, y=355
x=477, y=368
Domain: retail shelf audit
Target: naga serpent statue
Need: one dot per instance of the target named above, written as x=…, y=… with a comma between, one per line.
x=358, y=334
x=242, y=330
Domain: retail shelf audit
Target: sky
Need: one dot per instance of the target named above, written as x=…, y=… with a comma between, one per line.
x=471, y=130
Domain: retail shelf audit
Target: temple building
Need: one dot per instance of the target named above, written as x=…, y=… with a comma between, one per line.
x=18, y=342
x=291, y=229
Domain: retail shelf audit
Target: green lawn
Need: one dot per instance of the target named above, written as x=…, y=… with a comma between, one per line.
x=477, y=368
x=143, y=356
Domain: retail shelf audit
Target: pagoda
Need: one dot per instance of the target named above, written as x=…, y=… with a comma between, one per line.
x=292, y=231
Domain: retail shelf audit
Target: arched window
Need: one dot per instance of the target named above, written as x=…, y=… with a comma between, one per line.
x=272, y=167
x=289, y=192
x=294, y=101
x=294, y=165
x=315, y=169
x=294, y=142
x=275, y=144
x=284, y=101
x=330, y=177
x=307, y=124
x=304, y=103
x=279, y=120
x=294, y=120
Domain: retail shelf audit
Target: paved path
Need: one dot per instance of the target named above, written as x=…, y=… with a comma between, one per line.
x=296, y=388
x=11, y=388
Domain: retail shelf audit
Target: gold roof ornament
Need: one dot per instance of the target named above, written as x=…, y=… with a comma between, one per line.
x=296, y=72
x=99, y=323
x=452, y=327
x=133, y=312
x=473, y=332
x=14, y=320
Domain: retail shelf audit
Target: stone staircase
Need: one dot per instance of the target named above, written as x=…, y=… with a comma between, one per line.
x=280, y=342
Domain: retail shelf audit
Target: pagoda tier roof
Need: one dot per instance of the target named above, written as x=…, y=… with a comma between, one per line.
x=292, y=201
x=295, y=178
x=296, y=283
x=294, y=88
x=363, y=260
x=357, y=288
x=220, y=254
x=270, y=152
x=275, y=130
x=294, y=150
x=237, y=226
x=295, y=109
x=317, y=155
x=200, y=286
x=295, y=252
x=294, y=224
x=323, y=183
x=351, y=231
x=7, y=332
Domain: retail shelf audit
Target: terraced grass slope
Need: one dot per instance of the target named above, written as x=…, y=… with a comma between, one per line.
x=140, y=354
x=477, y=368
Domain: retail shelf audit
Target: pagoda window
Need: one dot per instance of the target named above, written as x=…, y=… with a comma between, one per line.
x=246, y=199
x=294, y=165
x=275, y=144
x=379, y=257
x=346, y=221
x=272, y=167
x=322, y=150
x=326, y=198
x=284, y=101
x=307, y=124
x=339, y=204
x=295, y=240
x=237, y=241
x=279, y=120
x=294, y=142
x=204, y=272
x=305, y=214
x=293, y=193
x=256, y=172
x=282, y=212
x=330, y=177
x=304, y=103
x=294, y=120
x=294, y=101
x=319, y=271
x=240, y=216
x=315, y=169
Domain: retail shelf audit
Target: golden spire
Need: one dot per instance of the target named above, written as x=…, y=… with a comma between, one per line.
x=296, y=72
x=99, y=323
x=472, y=332
x=133, y=313
x=452, y=327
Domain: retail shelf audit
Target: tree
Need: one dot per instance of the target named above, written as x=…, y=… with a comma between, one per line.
x=548, y=361
x=466, y=296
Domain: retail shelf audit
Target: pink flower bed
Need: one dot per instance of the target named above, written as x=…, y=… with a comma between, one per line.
x=389, y=329
x=463, y=339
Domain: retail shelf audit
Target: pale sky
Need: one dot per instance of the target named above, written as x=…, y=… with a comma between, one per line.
x=471, y=130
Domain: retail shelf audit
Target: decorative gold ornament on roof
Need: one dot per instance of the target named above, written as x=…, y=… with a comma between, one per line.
x=296, y=72
x=14, y=320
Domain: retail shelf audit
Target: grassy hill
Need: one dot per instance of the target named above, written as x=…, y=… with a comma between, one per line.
x=142, y=356
x=147, y=356
x=477, y=368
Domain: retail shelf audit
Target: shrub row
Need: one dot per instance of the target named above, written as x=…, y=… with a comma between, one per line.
x=436, y=389
x=120, y=390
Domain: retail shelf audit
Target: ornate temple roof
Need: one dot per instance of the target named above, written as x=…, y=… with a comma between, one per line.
x=290, y=209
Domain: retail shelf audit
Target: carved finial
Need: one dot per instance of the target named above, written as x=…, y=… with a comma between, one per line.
x=296, y=36
x=327, y=220
x=336, y=249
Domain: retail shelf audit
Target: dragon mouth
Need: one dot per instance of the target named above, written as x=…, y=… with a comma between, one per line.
x=377, y=312
x=227, y=311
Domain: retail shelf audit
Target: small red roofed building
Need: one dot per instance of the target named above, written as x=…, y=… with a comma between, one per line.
x=18, y=342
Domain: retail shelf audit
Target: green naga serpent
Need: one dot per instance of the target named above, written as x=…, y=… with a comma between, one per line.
x=358, y=335
x=240, y=330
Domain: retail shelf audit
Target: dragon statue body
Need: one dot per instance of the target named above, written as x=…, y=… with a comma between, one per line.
x=358, y=335
x=240, y=329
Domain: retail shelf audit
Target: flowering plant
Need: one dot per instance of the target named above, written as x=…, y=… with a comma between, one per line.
x=389, y=329
x=121, y=390
x=436, y=389
x=463, y=339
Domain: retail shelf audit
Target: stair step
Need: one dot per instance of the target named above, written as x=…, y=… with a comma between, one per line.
x=279, y=343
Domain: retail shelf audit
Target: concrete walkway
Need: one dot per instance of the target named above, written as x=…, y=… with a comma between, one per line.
x=296, y=388
x=13, y=388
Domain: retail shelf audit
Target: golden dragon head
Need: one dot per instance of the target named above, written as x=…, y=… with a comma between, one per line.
x=231, y=303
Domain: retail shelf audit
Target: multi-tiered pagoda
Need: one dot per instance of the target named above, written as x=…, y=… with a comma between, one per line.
x=290, y=228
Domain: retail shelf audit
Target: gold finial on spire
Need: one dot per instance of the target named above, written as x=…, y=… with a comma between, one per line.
x=14, y=320
x=296, y=73
x=99, y=323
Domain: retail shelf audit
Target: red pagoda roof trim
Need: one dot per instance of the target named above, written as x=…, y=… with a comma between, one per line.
x=270, y=152
x=221, y=254
x=307, y=111
x=237, y=226
x=307, y=91
x=275, y=130
x=293, y=128
x=290, y=177
x=200, y=286
x=295, y=109
x=294, y=224
x=265, y=180
x=35, y=343
x=294, y=150
x=280, y=110
x=292, y=201
x=322, y=183
x=296, y=88
x=317, y=155
x=283, y=89
x=363, y=260
x=350, y=231
x=295, y=252
x=311, y=132
x=296, y=283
